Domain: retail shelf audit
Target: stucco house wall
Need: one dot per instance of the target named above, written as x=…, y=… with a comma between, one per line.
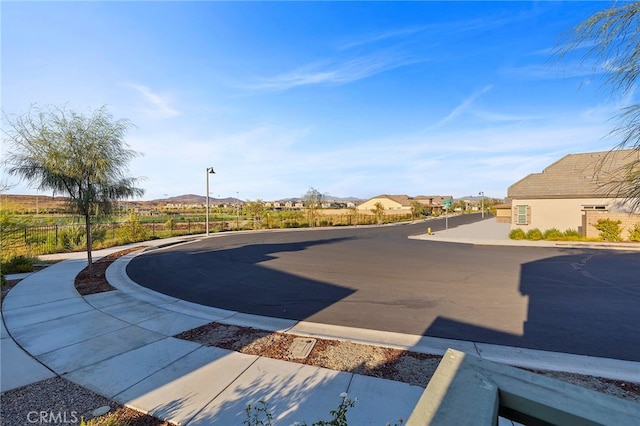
x=386, y=203
x=389, y=202
x=559, y=196
x=401, y=204
x=561, y=214
x=503, y=213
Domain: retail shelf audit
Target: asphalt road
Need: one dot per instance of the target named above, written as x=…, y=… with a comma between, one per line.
x=564, y=300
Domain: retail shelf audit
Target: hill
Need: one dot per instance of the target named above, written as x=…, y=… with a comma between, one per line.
x=50, y=204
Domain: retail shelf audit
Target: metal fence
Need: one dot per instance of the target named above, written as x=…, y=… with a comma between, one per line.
x=32, y=241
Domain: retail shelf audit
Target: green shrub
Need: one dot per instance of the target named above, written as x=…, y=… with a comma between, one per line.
x=609, y=229
x=132, y=230
x=634, y=234
x=170, y=224
x=534, y=234
x=72, y=238
x=517, y=234
x=553, y=234
x=572, y=234
x=98, y=233
x=3, y=279
x=289, y=223
x=18, y=264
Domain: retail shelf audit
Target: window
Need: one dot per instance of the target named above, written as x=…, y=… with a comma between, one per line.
x=523, y=214
x=594, y=207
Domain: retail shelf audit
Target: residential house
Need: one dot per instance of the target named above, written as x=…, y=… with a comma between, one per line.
x=401, y=204
x=435, y=202
x=389, y=202
x=503, y=212
x=572, y=192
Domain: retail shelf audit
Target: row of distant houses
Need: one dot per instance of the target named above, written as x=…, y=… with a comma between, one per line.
x=390, y=203
x=403, y=203
x=299, y=204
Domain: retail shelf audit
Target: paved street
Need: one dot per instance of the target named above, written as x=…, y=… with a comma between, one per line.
x=579, y=301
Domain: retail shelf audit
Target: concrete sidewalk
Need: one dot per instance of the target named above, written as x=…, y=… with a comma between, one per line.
x=120, y=345
x=489, y=232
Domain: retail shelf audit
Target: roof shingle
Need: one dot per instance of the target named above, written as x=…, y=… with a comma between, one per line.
x=588, y=175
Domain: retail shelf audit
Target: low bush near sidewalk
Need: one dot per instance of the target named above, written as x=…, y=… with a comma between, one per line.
x=634, y=234
x=610, y=230
x=517, y=234
x=17, y=265
x=554, y=234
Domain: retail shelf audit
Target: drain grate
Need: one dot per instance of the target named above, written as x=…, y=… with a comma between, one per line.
x=301, y=347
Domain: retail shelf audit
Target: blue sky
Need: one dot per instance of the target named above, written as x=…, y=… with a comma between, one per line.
x=350, y=98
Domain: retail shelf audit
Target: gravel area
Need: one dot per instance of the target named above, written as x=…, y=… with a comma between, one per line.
x=389, y=363
x=395, y=364
x=58, y=397
x=59, y=401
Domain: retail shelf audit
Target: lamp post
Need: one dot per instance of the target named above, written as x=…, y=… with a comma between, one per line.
x=482, y=203
x=209, y=172
x=237, y=211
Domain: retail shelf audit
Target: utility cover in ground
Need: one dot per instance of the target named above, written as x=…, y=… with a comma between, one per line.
x=301, y=347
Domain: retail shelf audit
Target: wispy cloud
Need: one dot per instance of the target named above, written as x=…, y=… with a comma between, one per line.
x=553, y=71
x=370, y=54
x=463, y=107
x=160, y=104
x=337, y=71
x=380, y=37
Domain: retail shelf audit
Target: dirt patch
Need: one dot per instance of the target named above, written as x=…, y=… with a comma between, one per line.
x=98, y=283
x=394, y=364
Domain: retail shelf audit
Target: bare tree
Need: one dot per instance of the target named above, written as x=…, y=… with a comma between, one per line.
x=82, y=156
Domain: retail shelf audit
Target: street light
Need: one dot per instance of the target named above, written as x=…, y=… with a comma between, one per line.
x=209, y=172
x=482, y=202
x=237, y=211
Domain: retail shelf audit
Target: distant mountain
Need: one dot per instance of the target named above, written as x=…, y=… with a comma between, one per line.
x=352, y=199
x=200, y=199
x=326, y=197
x=476, y=198
x=184, y=199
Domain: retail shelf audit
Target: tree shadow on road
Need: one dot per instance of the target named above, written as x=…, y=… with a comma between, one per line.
x=239, y=279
